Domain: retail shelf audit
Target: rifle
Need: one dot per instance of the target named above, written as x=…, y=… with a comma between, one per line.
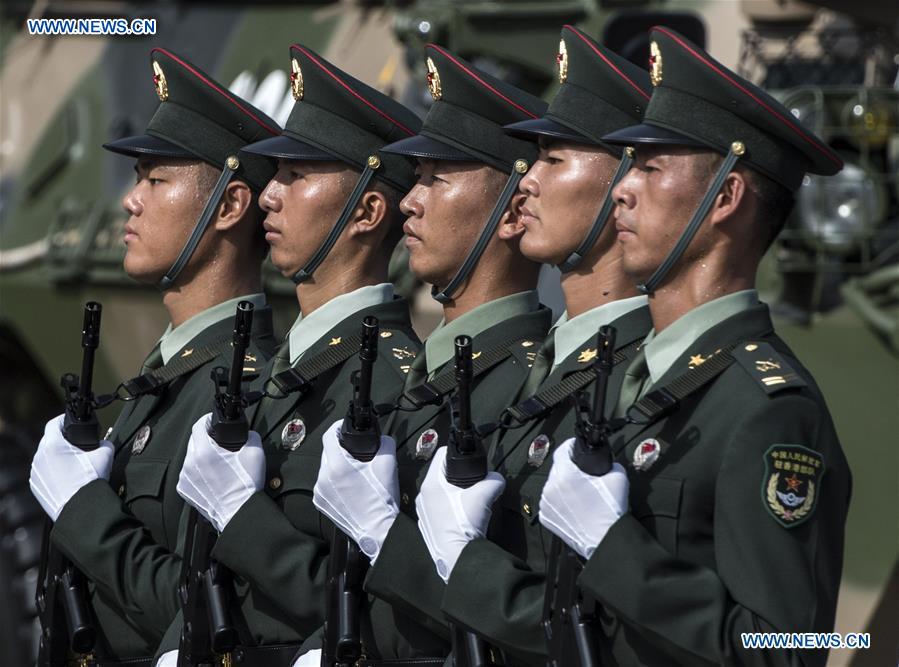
x=59, y=582
x=208, y=631
x=466, y=464
x=569, y=620
x=360, y=435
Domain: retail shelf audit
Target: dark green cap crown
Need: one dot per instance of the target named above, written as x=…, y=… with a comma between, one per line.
x=698, y=101
x=198, y=117
x=600, y=92
x=469, y=111
x=337, y=117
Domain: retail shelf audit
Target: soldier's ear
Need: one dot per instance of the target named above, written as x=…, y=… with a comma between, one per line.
x=236, y=201
x=370, y=213
x=732, y=198
x=510, y=226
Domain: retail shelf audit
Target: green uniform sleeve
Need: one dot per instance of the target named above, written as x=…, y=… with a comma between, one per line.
x=287, y=565
x=146, y=587
x=501, y=597
x=404, y=576
x=766, y=577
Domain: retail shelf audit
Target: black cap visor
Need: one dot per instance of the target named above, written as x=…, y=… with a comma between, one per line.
x=145, y=144
x=427, y=148
x=289, y=148
x=652, y=134
x=544, y=127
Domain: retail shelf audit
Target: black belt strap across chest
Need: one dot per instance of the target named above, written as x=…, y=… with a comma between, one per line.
x=432, y=392
x=155, y=380
x=300, y=377
x=546, y=399
x=664, y=400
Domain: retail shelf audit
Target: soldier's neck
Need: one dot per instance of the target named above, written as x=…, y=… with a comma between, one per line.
x=594, y=285
x=485, y=286
x=333, y=279
x=700, y=283
x=191, y=295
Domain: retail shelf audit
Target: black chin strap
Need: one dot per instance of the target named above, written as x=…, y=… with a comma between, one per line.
x=736, y=150
x=446, y=295
x=602, y=217
x=368, y=173
x=231, y=165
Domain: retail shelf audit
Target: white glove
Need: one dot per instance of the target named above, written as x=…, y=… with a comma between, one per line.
x=312, y=658
x=449, y=517
x=60, y=469
x=578, y=507
x=168, y=659
x=216, y=481
x=359, y=497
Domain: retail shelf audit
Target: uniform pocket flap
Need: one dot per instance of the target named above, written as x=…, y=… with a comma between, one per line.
x=660, y=497
x=144, y=477
x=298, y=473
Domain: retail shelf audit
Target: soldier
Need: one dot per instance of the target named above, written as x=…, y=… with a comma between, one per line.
x=565, y=216
x=468, y=173
x=738, y=488
x=333, y=221
x=194, y=231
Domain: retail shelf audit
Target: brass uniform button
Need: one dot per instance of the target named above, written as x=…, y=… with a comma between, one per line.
x=275, y=483
x=527, y=509
x=121, y=490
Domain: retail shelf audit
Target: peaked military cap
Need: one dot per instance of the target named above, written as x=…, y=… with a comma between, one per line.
x=467, y=118
x=199, y=118
x=600, y=92
x=698, y=101
x=337, y=117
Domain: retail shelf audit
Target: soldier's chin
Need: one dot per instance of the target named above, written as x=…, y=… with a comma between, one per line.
x=140, y=271
x=536, y=249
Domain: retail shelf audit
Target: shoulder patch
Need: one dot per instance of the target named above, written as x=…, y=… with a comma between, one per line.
x=766, y=366
x=395, y=346
x=525, y=351
x=791, y=483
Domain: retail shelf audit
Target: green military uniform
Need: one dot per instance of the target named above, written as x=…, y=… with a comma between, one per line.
x=124, y=534
x=277, y=543
x=464, y=123
x=738, y=495
x=497, y=585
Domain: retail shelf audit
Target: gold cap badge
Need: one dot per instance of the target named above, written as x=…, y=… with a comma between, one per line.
x=296, y=80
x=655, y=64
x=562, y=61
x=434, y=80
x=162, y=87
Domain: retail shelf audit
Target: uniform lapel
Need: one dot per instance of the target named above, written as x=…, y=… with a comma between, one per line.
x=752, y=323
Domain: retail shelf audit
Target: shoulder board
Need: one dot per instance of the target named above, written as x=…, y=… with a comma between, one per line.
x=525, y=351
x=395, y=345
x=766, y=366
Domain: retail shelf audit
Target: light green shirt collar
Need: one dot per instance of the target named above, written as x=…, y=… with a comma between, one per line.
x=439, y=348
x=571, y=334
x=307, y=330
x=174, y=339
x=663, y=349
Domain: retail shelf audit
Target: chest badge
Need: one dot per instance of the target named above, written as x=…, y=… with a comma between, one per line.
x=141, y=439
x=646, y=453
x=293, y=434
x=538, y=449
x=426, y=444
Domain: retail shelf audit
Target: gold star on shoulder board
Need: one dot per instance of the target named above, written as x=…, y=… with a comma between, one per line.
x=586, y=355
x=697, y=360
x=335, y=341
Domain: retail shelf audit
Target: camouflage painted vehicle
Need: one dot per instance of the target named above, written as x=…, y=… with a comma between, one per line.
x=833, y=277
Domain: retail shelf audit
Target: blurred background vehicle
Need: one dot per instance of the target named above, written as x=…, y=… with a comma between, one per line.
x=832, y=277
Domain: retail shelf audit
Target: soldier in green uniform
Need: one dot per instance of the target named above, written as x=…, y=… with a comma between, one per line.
x=497, y=585
x=463, y=233
x=332, y=223
x=730, y=516
x=193, y=230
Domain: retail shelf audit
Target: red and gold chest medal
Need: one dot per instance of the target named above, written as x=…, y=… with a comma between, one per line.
x=791, y=483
